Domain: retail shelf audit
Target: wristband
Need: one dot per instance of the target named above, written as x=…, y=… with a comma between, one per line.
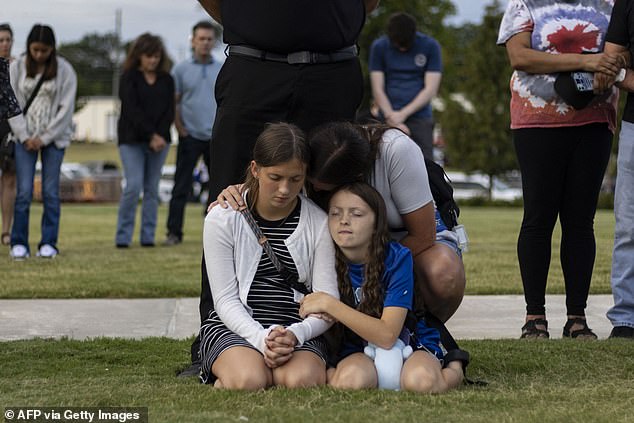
x=620, y=77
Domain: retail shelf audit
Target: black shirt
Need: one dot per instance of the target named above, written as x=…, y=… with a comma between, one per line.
x=145, y=109
x=285, y=26
x=621, y=32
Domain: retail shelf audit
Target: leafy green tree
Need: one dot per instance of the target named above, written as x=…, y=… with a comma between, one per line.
x=454, y=48
x=477, y=130
x=94, y=58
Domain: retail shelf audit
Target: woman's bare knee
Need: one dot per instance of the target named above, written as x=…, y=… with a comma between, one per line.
x=304, y=379
x=421, y=380
x=441, y=278
x=245, y=381
x=354, y=372
x=348, y=379
x=305, y=369
x=241, y=369
x=422, y=373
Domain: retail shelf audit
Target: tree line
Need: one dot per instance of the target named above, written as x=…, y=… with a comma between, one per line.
x=477, y=138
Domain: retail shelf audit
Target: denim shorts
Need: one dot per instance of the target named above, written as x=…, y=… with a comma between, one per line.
x=450, y=239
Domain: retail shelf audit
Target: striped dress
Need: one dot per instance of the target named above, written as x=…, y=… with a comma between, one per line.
x=270, y=298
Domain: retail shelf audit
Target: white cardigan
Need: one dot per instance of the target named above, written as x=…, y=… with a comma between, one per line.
x=60, y=128
x=232, y=254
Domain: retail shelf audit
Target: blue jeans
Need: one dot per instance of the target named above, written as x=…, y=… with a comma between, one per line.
x=25, y=160
x=142, y=171
x=622, y=314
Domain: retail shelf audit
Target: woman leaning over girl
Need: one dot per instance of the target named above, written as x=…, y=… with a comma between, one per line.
x=255, y=338
x=376, y=283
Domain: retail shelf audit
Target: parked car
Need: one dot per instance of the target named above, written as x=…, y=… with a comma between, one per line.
x=79, y=183
x=477, y=185
x=68, y=171
x=166, y=183
x=198, y=192
x=103, y=167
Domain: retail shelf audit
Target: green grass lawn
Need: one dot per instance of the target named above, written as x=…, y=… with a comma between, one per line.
x=90, y=267
x=551, y=381
x=491, y=262
x=548, y=381
x=84, y=152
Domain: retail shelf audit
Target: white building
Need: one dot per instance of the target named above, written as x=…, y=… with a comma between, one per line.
x=96, y=121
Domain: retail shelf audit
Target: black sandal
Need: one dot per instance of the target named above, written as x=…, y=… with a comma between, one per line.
x=584, y=333
x=531, y=331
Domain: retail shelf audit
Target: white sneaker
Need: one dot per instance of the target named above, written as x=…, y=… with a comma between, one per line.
x=47, y=251
x=19, y=252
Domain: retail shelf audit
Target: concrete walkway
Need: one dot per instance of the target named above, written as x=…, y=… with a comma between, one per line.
x=479, y=317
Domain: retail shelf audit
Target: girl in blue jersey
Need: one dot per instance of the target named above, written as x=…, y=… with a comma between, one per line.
x=376, y=284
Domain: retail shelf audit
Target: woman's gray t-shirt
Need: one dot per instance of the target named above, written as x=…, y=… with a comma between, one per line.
x=400, y=176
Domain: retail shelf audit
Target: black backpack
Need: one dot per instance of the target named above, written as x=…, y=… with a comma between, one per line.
x=442, y=192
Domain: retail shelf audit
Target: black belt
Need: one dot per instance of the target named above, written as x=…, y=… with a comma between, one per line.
x=296, y=58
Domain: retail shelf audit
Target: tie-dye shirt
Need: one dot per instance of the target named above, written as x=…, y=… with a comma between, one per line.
x=556, y=27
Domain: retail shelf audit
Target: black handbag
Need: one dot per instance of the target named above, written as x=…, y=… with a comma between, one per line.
x=575, y=88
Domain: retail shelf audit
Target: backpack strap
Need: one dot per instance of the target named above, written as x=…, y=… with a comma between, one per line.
x=442, y=191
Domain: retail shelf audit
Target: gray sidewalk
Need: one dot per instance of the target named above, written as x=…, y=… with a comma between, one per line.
x=479, y=317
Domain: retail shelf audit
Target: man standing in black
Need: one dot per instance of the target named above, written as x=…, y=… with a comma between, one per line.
x=288, y=61
x=291, y=61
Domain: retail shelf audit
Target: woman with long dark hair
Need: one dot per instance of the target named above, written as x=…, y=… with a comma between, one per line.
x=393, y=164
x=49, y=126
x=147, y=112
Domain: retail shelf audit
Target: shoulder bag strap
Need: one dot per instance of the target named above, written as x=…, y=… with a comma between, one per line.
x=290, y=278
x=35, y=91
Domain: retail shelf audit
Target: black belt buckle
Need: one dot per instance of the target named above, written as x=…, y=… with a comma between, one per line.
x=299, y=57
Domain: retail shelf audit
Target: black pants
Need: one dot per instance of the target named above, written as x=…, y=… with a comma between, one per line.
x=250, y=93
x=422, y=132
x=189, y=151
x=562, y=170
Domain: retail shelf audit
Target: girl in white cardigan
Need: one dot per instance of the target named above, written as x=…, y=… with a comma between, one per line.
x=254, y=338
